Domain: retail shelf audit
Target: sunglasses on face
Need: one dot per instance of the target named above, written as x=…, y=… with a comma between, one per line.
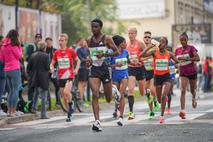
x=147, y=37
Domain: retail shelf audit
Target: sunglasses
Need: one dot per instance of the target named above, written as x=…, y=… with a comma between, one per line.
x=147, y=37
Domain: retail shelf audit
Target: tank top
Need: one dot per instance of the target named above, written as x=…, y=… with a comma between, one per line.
x=161, y=63
x=134, y=53
x=97, y=48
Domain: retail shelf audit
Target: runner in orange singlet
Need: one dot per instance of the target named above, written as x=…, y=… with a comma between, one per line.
x=136, y=69
x=161, y=71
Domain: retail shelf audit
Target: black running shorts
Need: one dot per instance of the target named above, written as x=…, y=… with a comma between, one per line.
x=138, y=72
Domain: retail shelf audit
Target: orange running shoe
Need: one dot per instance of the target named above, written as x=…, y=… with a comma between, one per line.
x=162, y=120
x=182, y=115
x=168, y=111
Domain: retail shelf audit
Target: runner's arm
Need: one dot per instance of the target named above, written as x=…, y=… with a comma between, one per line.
x=78, y=63
x=173, y=57
x=195, y=57
x=145, y=52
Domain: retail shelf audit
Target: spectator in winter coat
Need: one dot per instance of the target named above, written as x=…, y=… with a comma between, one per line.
x=38, y=67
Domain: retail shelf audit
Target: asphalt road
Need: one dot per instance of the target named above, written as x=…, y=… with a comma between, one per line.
x=198, y=127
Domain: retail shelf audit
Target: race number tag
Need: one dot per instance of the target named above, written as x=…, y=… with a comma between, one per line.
x=134, y=58
x=94, y=51
x=161, y=64
x=184, y=63
x=148, y=64
x=123, y=62
x=64, y=63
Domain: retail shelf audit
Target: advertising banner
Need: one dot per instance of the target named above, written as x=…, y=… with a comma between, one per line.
x=7, y=19
x=51, y=26
x=28, y=24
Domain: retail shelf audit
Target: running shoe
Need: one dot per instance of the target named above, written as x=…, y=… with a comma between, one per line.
x=68, y=120
x=115, y=115
x=182, y=115
x=168, y=111
x=162, y=120
x=149, y=96
x=120, y=121
x=96, y=126
x=156, y=105
x=2, y=113
x=131, y=116
x=151, y=115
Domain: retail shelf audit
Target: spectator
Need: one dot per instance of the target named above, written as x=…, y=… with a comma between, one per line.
x=38, y=67
x=53, y=77
x=30, y=50
x=12, y=53
x=2, y=79
x=83, y=72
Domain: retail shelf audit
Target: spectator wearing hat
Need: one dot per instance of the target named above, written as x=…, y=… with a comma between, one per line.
x=31, y=48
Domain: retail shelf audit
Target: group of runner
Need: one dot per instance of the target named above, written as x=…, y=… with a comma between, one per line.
x=150, y=64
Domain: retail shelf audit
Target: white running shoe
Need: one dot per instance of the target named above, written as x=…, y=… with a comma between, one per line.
x=96, y=126
x=2, y=113
x=19, y=113
x=120, y=121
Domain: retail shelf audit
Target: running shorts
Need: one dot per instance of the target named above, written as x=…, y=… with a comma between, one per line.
x=83, y=74
x=190, y=77
x=103, y=73
x=160, y=79
x=62, y=82
x=149, y=75
x=138, y=72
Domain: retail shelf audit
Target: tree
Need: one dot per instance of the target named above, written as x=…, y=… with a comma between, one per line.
x=77, y=14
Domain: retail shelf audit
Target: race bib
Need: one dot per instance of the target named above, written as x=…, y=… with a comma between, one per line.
x=64, y=63
x=148, y=64
x=134, y=58
x=122, y=61
x=161, y=64
x=183, y=63
x=95, y=51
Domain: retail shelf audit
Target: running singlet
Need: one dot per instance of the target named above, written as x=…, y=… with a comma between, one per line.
x=122, y=58
x=64, y=58
x=161, y=63
x=97, y=48
x=186, y=67
x=134, y=53
x=148, y=64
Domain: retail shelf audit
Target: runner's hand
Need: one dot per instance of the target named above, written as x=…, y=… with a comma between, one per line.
x=88, y=62
x=75, y=72
x=100, y=55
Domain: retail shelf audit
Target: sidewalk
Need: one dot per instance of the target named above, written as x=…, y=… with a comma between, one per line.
x=29, y=117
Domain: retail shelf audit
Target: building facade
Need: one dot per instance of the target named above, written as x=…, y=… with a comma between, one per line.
x=175, y=17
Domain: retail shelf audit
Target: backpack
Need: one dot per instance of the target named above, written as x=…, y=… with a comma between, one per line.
x=26, y=47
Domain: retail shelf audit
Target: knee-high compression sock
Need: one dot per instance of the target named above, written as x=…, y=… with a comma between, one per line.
x=169, y=99
x=131, y=103
x=70, y=110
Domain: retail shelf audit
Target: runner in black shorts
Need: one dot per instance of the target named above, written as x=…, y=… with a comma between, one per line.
x=83, y=72
x=150, y=88
x=64, y=57
x=136, y=69
x=98, y=45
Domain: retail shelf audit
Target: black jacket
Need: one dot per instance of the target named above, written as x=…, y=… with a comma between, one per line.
x=38, y=67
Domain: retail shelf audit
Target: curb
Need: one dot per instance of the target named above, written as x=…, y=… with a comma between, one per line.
x=27, y=117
